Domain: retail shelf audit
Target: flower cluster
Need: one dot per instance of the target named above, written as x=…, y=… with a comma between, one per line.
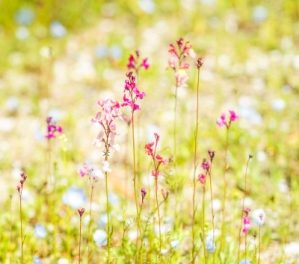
x=158, y=160
x=246, y=221
x=135, y=64
x=52, y=129
x=132, y=93
x=206, y=167
x=20, y=185
x=223, y=121
x=177, y=60
x=91, y=171
x=105, y=117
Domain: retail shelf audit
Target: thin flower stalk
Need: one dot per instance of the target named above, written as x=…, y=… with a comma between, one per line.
x=243, y=203
x=225, y=122
x=106, y=117
x=158, y=160
x=198, y=65
x=20, y=186
x=80, y=212
x=178, y=53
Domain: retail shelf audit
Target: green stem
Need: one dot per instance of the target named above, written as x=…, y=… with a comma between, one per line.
x=159, y=218
x=194, y=170
x=224, y=189
x=80, y=237
x=259, y=253
x=108, y=217
x=243, y=204
x=90, y=219
x=203, y=222
x=212, y=209
x=21, y=227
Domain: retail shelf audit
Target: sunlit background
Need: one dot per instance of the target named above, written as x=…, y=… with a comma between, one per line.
x=58, y=58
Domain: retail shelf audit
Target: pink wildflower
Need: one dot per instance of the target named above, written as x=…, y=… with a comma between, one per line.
x=223, y=121
x=158, y=160
x=132, y=93
x=202, y=178
x=178, y=53
x=205, y=165
x=108, y=113
x=52, y=129
x=134, y=64
x=246, y=221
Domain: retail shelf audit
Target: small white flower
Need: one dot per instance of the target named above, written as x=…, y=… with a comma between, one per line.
x=258, y=216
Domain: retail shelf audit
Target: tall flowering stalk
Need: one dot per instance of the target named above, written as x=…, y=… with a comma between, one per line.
x=243, y=202
x=130, y=99
x=135, y=64
x=20, y=186
x=93, y=176
x=106, y=117
x=53, y=130
x=202, y=177
x=246, y=226
x=80, y=212
x=158, y=160
x=198, y=66
x=226, y=122
x=178, y=53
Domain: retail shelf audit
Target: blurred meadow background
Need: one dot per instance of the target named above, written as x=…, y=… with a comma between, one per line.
x=58, y=58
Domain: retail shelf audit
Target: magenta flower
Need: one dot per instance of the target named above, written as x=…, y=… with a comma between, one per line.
x=202, y=178
x=246, y=221
x=158, y=160
x=205, y=165
x=223, y=121
x=52, y=129
x=135, y=64
x=132, y=93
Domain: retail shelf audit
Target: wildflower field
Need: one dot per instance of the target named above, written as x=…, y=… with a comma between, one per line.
x=149, y=131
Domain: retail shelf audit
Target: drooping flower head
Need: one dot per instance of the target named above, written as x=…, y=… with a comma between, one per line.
x=135, y=63
x=224, y=121
x=106, y=117
x=131, y=93
x=178, y=53
x=158, y=160
x=52, y=129
x=143, y=194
